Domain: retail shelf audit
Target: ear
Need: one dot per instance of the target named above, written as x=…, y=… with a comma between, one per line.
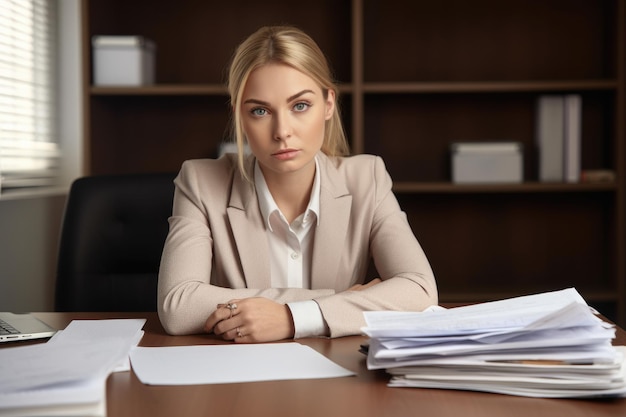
x=330, y=104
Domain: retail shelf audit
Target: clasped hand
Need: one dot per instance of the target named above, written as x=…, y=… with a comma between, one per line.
x=251, y=320
x=256, y=320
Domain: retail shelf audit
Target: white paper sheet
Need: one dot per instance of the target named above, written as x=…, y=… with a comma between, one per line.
x=559, y=339
x=219, y=364
x=544, y=381
x=92, y=331
x=66, y=376
x=534, y=312
x=44, y=365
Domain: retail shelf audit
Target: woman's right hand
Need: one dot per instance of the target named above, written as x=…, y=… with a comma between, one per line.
x=251, y=320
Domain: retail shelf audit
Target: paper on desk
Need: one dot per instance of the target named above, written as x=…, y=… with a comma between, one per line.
x=44, y=365
x=545, y=345
x=545, y=381
x=67, y=375
x=128, y=330
x=526, y=342
x=93, y=330
x=539, y=311
x=219, y=364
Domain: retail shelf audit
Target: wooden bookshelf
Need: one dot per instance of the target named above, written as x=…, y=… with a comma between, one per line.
x=414, y=77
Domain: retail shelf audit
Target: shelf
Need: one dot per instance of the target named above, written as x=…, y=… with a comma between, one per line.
x=489, y=87
x=381, y=88
x=161, y=90
x=528, y=187
x=174, y=90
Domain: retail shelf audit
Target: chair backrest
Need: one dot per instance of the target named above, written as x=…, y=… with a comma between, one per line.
x=112, y=238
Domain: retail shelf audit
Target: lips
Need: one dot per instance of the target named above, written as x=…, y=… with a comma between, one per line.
x=285, y=154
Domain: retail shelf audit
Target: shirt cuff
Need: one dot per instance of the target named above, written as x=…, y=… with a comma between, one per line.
x=307, y=319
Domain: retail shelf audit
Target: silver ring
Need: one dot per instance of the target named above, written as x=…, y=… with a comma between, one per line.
x=231, y=307
x=239, y=333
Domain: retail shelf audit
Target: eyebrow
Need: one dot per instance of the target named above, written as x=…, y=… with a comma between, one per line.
x=291, y=98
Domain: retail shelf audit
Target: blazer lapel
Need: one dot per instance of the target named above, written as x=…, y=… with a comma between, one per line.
x=330, y=236
x=249, y=231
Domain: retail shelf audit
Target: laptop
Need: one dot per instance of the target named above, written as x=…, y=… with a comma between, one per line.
x=23, y=327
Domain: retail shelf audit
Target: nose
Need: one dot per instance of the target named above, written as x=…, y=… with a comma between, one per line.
x=282, y=127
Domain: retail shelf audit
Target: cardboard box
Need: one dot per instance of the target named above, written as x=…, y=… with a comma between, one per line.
x=123, y=61
x=487, y=162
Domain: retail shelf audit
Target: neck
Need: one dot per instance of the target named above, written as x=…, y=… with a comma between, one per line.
x=292, y=191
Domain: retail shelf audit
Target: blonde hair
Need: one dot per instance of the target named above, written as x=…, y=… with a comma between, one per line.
x=290, y=46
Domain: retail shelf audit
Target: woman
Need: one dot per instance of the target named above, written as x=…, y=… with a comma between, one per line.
x=277, y=244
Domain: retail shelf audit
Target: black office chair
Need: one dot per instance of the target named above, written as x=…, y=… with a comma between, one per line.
x=112, y=238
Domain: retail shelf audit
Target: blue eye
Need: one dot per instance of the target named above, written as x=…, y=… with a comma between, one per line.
x=258, y=111
x=302, y=106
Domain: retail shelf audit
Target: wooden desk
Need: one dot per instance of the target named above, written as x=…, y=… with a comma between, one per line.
x=366, y=394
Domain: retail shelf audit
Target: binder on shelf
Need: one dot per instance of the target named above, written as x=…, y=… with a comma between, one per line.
x=550, y=137
x=558, y=137
x=573, y=133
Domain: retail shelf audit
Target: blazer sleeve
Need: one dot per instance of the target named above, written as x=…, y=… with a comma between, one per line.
x=408, y=280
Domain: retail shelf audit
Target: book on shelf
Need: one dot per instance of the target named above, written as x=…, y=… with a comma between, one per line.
x=558, y=137
x=597, y=176
x=572, y=141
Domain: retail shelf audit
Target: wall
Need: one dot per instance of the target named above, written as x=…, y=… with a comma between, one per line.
x=30, y=224
x=29, y=230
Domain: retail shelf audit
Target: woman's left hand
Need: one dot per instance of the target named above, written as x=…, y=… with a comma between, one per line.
x=251, y=320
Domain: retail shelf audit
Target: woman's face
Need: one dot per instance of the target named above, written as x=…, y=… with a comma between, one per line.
x=283, y=115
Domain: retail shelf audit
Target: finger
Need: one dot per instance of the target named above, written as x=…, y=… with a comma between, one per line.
x=210, y=323
x=240, y=335
x=220, y=314
x=232, y=334
x=236, y=333
x=220, y=328
x=227, y=327
x=232, y=306
x=234, y=301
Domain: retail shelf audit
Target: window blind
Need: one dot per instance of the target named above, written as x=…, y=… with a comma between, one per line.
x=29, y=151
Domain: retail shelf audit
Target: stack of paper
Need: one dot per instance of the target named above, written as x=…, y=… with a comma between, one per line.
x=543, y=345
x=66, y=376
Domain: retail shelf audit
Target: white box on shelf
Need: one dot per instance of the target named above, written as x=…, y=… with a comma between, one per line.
x=123, y=61
x=487, y=162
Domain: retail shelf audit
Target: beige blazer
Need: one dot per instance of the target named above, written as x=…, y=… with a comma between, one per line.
x=217, y=249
